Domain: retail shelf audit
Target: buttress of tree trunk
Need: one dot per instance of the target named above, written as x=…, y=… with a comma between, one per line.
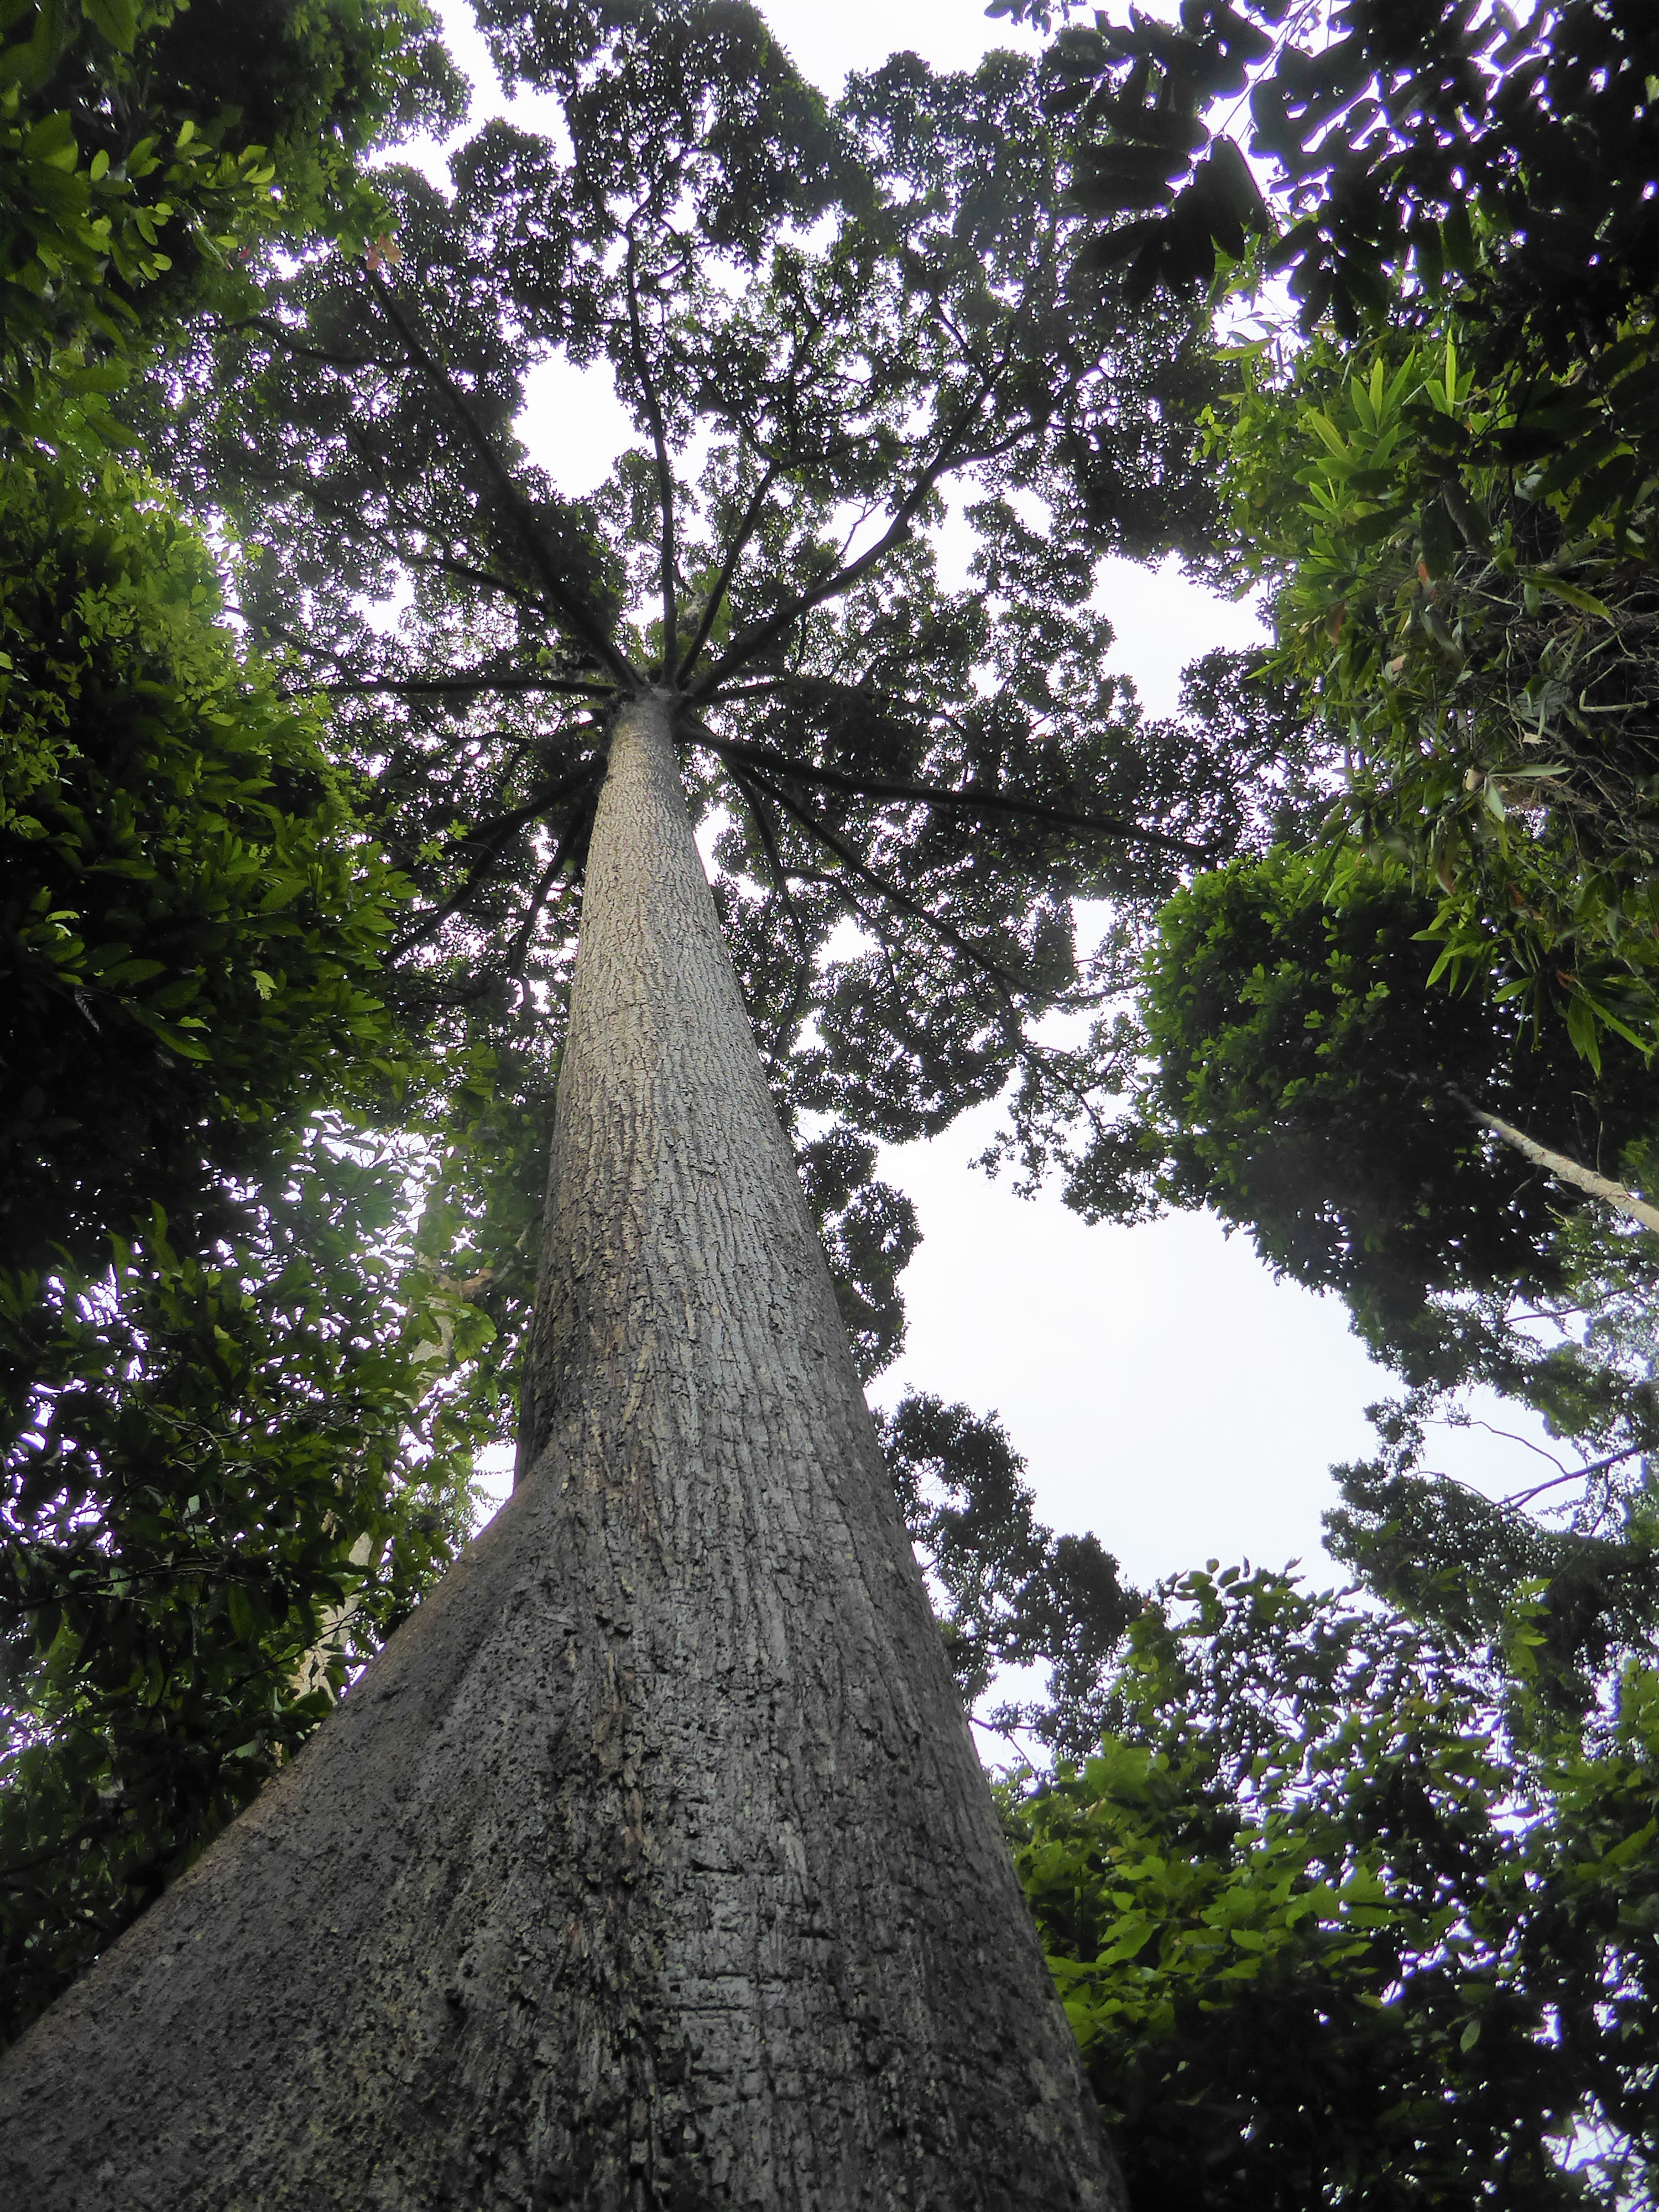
x=651, y=1862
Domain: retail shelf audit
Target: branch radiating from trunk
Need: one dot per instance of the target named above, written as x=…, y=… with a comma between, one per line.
x=650, y=1864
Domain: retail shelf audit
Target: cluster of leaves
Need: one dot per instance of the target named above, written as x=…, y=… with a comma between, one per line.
x=1311, y=1086
x=1388, y=136
x=1480, y=637
x=1008, y=1591
x=147, y=150
x=1329, y=1935
x=1586, y=1362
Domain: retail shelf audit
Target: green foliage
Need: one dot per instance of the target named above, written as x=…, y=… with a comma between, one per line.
x=147, y=149
x=1328, y=1937
x=1457, y=518
x=1295, y=1072
x=1307, y=1082
x=1477, y=630
x=264, y=1411
x=228, y=1475
x=1448, y=1555
x=1503, y=160
x=1008, y=1591
x=192, y=913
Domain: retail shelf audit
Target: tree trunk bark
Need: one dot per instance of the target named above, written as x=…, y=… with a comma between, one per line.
x=1628, y=1202
x=651, y=1863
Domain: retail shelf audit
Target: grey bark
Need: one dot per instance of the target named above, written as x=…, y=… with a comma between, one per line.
x=651, y=1862
x=1567, y=1170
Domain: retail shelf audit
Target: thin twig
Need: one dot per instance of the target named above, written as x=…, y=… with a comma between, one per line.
x=946, y=932
x=773, y=859
x=518, y=951
x=1573, y=1474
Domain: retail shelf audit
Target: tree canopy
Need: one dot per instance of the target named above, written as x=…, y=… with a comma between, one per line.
x=296, y=820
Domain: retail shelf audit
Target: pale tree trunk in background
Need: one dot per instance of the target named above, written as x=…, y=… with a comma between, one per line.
x=651, y=1863
x=1628, y=1202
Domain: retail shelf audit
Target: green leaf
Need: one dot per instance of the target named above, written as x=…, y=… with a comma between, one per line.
x=117, y=19
x=1573, y=594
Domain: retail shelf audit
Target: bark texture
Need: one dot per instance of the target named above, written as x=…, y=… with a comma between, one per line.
x=651, y=1862
x=1629, y=1202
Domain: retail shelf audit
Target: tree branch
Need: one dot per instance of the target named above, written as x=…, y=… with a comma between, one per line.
x=773, y=860
x=722, y=584
x=580, y=619
x=419, y=687
x=1572, y=1474
x=1560, y=1165
x=494, y=834
x=1108, y=825
x=849, y=857
x=759, y=635
x=518, y=951
x=664, y=472
x=790, y=1015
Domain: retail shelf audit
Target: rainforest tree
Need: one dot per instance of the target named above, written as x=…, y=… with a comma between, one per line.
x=654, y=1848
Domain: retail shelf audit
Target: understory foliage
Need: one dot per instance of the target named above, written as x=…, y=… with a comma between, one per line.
x=192, y=915
x=231, y=1473
x=1305, y=1079
x=228, y=1462
x=222, y=1344
x=1301, y=1077
x=1338, y=1920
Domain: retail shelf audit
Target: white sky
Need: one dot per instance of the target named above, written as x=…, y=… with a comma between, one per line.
x=1165, y=1391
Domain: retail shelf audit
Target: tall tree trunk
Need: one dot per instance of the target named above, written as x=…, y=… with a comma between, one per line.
x=650, y=1863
